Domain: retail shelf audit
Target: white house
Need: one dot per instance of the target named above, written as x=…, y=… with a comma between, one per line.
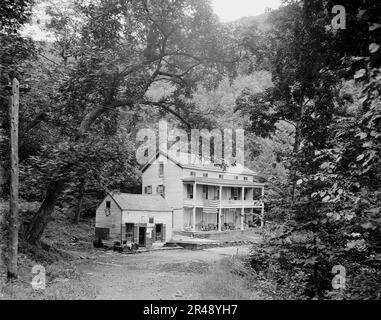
x=205, y=196
x=182, y=194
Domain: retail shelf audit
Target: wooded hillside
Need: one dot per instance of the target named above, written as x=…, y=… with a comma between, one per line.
x=307, y=94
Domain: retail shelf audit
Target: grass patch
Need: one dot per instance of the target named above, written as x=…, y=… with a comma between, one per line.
x=63, y=280
x=229, y=279
x=233, y=279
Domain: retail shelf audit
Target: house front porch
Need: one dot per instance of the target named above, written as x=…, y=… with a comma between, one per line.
x=223, y=220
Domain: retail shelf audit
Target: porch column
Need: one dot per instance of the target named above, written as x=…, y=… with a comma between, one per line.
x=243, y=209
x=220, y=210
x=194, y=219
x=194, y=208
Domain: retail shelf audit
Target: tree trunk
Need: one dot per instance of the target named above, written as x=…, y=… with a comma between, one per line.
x=44, y=213
x=296, y=147
x=42, y=217
x=80, y=202
x=293, y=169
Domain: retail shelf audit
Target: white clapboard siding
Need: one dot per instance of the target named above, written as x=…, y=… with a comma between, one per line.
x=111, y=222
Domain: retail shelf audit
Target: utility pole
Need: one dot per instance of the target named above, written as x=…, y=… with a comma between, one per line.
x=13, y=218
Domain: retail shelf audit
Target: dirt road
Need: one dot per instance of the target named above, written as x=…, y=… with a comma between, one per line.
x=156, y=275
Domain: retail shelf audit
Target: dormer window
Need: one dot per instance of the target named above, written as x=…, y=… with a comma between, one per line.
x=193, y=174
x=221, y=176
x=246, y=178
x=205, y=175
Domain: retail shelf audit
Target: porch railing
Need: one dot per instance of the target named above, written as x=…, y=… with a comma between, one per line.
x=226, y=203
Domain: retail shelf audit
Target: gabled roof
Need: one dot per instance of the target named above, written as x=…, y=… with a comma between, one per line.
x=189, y=161
x=139, y=202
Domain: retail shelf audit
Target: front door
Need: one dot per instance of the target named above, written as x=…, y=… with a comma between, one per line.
x=142, y=236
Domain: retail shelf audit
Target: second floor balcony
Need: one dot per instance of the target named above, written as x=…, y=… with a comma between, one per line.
x=225, y=193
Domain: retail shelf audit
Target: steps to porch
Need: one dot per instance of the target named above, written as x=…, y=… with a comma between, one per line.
x=249, y=234
x=203, y=240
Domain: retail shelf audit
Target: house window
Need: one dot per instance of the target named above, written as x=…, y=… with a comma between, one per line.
x=190, y=191
x=193, y=174
x=205, y=194
x=151, y=220
x=236, y=177
x=205, y=175
x=246, y=178
x=161, y=190
x=221, y=176
x=159, y=232
x=149, y=190
x=257, y=193
x=130, y=232
x=217, y=193
x=234, y=193
x=161, y=170
x=108, y=204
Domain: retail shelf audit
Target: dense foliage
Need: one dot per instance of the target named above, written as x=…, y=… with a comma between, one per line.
x=332, y=214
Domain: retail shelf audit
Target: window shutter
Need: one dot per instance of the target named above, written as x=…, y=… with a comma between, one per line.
x=154, y=234
x=123, y=235
x=136, y=233
x=164, y=232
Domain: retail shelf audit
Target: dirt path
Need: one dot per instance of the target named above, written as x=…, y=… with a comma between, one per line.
x=156, y=275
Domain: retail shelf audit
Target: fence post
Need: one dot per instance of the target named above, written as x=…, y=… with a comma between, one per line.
x=13, y=218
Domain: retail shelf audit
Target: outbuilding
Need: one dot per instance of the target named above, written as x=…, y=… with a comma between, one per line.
x=134, y=219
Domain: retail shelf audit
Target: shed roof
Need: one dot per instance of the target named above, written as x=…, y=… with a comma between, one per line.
x=139, y=202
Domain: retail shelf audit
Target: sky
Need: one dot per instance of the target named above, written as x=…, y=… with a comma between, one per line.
x=230, y=10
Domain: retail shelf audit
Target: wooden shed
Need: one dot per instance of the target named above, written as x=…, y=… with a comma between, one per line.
x=134, y=219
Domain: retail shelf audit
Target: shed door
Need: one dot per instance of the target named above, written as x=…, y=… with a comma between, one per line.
x=136, y=233
x=142, y=236
x=159, y=232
